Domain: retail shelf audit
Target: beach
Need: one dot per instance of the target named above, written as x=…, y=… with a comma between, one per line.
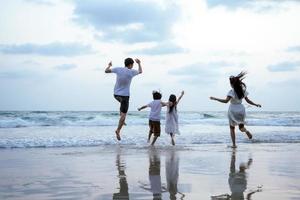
x=67, y=155
x=128, y=172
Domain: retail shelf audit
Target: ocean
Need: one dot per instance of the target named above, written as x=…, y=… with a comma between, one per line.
x=29, y=129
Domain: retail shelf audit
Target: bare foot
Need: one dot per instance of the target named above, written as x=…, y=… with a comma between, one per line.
x=249, y=135
x=118, y=135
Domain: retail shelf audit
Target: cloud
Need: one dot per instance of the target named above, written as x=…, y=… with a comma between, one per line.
x=200, y=72
x=66, y=67
x=50, y=49
x=294, y=49
x=129, y=21
x=17, y=74
x=231, y=3
x=284, y=66
x=41, y=2
x=160, y=49
x=258, y=5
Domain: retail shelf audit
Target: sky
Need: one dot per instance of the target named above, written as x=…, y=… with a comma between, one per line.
x=53, y=52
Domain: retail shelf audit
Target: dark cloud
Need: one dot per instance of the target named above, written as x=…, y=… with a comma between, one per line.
x=50, y=49
x=66, y=67
x=128, y=21
x=284, y=66
x=160, y=49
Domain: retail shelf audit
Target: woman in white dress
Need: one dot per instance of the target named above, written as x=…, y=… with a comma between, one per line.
x=236, y=111
x=171, y=127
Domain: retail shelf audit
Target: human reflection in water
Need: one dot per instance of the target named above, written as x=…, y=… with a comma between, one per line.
x=172, y=172
x=154, y=175
x=123, y=193
x=237, y=181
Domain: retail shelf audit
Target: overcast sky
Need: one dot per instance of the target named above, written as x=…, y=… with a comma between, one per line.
x=53, y=53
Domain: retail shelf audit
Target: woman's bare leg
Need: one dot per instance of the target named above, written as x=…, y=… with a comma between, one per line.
x=172, y=139
x=244, y=130
x=232, y=134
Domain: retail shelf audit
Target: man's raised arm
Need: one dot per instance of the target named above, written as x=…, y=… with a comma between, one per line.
x=107, y=69
x=140, y=66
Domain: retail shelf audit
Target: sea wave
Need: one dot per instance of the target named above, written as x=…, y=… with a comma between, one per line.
x=18, y=119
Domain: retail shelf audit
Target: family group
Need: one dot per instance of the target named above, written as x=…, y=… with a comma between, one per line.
x=236, y=111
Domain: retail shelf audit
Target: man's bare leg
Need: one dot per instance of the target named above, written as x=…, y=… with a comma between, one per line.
x=124, y=120
x=232, y=134
x=120, y=125
x=244, y=130
x=154, y=140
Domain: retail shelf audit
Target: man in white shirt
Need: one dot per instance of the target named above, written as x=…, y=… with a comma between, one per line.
x=122, y=87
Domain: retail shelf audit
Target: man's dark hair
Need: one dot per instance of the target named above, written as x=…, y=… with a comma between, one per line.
x=156, y=95
x=128, y=61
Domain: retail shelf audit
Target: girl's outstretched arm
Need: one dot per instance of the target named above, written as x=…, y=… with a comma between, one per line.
x=181, y=95
x=221, y=100
x=163, y=104
x=251, y=102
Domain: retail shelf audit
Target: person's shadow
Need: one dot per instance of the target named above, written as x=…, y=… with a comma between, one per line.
x=237, y=181
x=123, y=190
x=172, y=173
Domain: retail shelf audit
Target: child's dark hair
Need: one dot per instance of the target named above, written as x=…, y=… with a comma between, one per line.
x=172, y=99
x=156, y=95
x=128, y=61
x=237, y=84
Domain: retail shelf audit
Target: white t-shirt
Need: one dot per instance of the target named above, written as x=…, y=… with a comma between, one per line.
x=124, y=76
x=234, y=98
x=155, y=106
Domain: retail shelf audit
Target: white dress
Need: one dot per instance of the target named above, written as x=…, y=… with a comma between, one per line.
x=236, y=110
x=171, y=122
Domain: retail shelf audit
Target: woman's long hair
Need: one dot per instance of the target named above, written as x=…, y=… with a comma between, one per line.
x=172, y=99
x=237, y=84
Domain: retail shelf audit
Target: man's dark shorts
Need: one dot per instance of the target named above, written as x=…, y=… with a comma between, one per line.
x=124, y=101
x=154, y=127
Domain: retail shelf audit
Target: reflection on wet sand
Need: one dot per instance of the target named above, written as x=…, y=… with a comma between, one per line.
x=155, y=185
x=154, y=175
x=123, y=193
x=172, y=173
x=237, y=181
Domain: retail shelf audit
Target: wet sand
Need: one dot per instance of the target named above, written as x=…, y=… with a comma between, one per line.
x=212, y=171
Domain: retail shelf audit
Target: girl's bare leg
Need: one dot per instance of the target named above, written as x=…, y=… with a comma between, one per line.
x=149, y=136
x=154, y=140
x=232, y=134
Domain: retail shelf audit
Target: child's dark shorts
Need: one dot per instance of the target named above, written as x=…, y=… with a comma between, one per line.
x=154, y=127
x=124, y=102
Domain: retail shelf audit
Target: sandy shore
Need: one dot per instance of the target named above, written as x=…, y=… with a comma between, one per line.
x=256, y=171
